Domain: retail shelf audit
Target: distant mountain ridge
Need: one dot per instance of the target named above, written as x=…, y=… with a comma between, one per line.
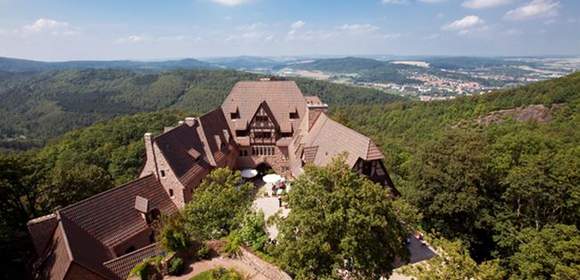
x=25, y=65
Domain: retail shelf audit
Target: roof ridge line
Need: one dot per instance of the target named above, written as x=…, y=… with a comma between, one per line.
x=103, y=193
x=131, y=253
x=205, y=143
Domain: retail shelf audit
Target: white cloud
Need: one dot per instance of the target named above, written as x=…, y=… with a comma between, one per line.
x=394, y=2
x=465, y=24
x=432, y=1
x=534, y=9
x=231, y=3
x=297, y=25
x=49, y=26
x=392, y=36
x=359, y=28
x=483, y=4
x=132, y=39
x=294, y=27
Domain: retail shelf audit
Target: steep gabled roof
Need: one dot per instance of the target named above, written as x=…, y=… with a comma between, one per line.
x=216, y=131
x=111, y=218
x=184, y=150
x=283, y=97
x=333, y=138
x=86, y=250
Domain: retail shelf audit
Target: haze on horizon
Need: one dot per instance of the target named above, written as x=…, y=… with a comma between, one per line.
x=73, y=30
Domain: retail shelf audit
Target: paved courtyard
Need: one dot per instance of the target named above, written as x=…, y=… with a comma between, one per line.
x=269, y=205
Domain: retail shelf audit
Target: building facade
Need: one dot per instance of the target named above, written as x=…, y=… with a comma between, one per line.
x=261, y=124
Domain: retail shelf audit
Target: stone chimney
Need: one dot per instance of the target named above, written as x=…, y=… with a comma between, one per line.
x=313, y=112
x=150, y=161
x=190, y=121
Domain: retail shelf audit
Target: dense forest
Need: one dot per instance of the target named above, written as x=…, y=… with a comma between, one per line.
x=497, y=186
x=35, y=107
x=508, y=189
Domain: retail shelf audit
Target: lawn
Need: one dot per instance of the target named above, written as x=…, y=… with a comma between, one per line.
x=219, y=273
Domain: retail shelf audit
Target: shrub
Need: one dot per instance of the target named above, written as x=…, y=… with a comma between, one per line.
x=148, y=268
x=233, y=244
x=176, y=266
x=203, y=252
x=173, y=235
x=253, y=231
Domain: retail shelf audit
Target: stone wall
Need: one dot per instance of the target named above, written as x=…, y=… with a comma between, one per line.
x=278, y=161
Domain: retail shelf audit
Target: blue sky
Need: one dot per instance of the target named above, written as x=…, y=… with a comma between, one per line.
x=147, y=29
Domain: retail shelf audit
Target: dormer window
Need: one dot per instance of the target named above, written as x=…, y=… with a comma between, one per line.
x=294, y=115
x=235, y=115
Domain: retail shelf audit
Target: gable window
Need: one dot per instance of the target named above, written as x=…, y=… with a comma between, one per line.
x=162, y=173
x=294, y=115
x=261, y=118
x=263, y=134
x=171, y=192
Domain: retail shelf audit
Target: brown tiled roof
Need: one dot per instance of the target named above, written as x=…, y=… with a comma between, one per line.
x=310, y=154
x=282, y=97
x=56, y=260
x=214, y=127
x=86, y=250
x=122, y=265
x=111, y=218
x=41, y=230
x=333, y=138
x=184, y=150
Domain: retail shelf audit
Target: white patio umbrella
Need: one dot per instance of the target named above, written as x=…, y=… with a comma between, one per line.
x=249, y=173
x=272, y=178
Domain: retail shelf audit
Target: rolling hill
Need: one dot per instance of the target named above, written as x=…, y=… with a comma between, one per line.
x=35, y=107
x=23, y=65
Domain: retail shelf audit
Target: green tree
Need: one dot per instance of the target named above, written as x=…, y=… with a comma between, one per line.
x=218, y=204
x=69, y=184
x=549, y=253
x=252, y=231
x=454, y=263
x=20, y=182
x=340, y=223
x=452, y=183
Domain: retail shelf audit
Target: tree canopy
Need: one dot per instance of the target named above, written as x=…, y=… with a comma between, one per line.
x=340, y=223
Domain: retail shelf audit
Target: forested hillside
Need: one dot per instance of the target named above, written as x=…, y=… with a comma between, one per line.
x=24, y=65
x=366, y=69
x=35, y=107
x=499, y=186
x=509, y=189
